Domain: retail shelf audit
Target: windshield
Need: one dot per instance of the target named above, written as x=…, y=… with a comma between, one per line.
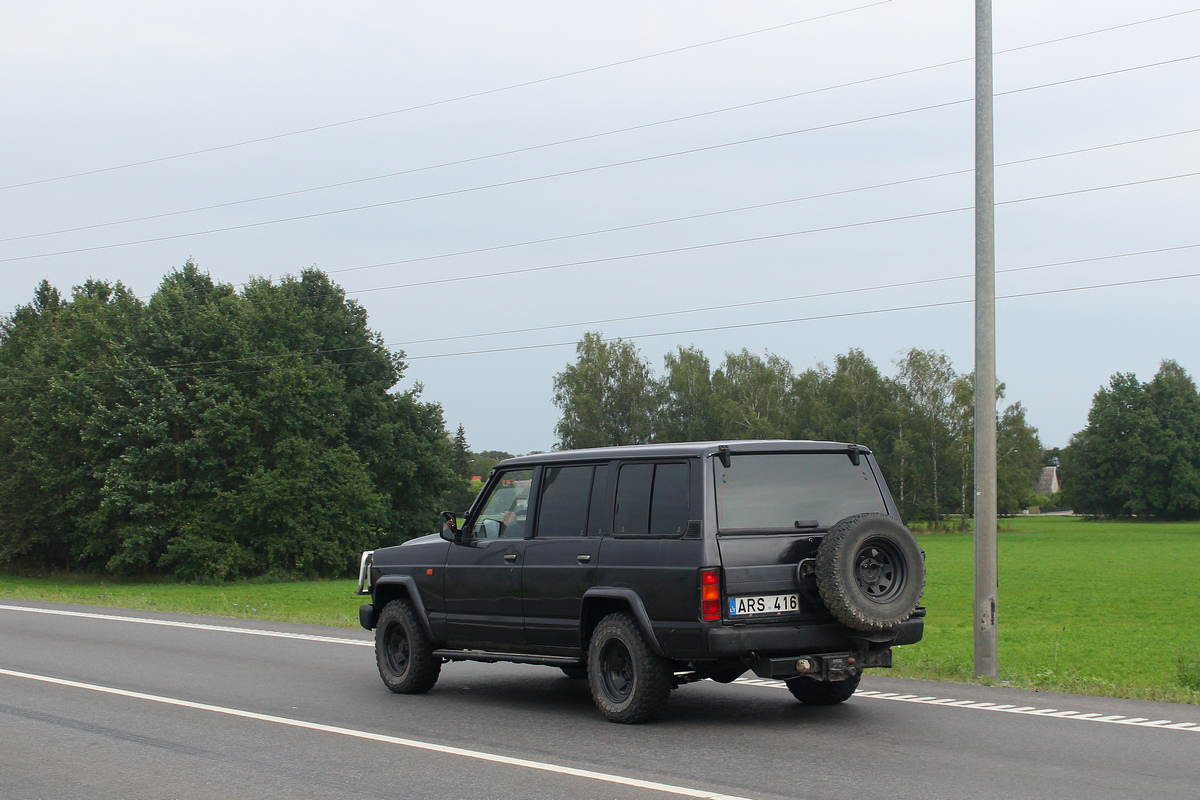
x=790, y=491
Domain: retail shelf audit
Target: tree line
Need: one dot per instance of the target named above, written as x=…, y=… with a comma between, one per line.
x=1140, y=452
x=211, y=434
x=208, y=433
x=919, y=422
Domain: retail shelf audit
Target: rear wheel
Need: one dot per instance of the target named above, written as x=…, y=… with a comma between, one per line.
x=629, y=681
x=823, y=693
x=403, y=650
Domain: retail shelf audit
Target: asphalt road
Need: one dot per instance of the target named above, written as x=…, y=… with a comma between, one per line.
x=95, y=704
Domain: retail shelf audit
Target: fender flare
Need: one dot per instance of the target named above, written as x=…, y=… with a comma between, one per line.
x=414, y=594
x=636, y=606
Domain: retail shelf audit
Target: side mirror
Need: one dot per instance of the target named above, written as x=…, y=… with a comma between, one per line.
x=450, y=531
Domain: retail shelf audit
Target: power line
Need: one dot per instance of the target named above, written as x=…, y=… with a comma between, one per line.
x=1092, y=33
x=544, y=80
x=773, y=300
x=473, y=159
x=541, y=268
x=574, y=236
x=764, y=237
x=653, y=315
x=544, y=345
x=448, y=100
x=582, y=170
x=839, y=315
x=1108, y=74
x=569, y=140
x=753, y=207
x=607, y=230
x=501, y=184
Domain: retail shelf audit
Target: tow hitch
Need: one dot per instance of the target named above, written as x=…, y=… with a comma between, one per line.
x=824, y=667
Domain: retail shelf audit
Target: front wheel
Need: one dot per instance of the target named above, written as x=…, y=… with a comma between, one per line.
x=630, y=682
x=403, y=650
x=823, y=693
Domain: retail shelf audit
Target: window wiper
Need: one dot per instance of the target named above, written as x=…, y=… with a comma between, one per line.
x=807, y=523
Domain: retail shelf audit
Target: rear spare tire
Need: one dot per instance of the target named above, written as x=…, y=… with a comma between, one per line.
x=870, y=572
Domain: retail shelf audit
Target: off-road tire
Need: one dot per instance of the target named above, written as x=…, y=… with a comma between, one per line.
x=870, y=572
x=630, y=683
x=403, y=650
x=823, y=693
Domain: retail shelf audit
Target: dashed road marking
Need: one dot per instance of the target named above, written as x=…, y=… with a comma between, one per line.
x=1030, y=711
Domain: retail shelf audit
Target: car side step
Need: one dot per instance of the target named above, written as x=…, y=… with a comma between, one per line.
x=514, y=658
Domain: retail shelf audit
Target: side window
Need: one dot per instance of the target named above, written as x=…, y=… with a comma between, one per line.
x=563, y=508
x=669, y=502
x=505, y=508
x=652, y=500
x=599, y=498
x=632, y=513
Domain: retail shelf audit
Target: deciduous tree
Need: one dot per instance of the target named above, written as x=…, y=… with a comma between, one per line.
x=207, y=433
x=608, y=396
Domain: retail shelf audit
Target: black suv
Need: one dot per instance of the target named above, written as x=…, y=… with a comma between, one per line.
x=643, y=568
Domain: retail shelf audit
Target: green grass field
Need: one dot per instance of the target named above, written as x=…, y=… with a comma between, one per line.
x=1085, y=606
x=312, y=602
x=1092, y=607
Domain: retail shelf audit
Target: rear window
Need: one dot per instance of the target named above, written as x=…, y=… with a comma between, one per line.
x=787, y=491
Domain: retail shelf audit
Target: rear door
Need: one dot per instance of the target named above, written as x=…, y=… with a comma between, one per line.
x=650, y=549
x=561, y=558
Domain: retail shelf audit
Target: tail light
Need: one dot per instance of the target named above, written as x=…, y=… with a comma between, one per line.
x=710, y=593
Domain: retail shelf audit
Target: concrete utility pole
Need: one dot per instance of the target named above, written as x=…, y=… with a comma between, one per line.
x=985, y=353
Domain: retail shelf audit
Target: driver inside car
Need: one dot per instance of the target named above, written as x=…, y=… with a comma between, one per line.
x=513, y=523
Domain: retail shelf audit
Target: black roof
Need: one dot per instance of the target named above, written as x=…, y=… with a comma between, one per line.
x=682, y=450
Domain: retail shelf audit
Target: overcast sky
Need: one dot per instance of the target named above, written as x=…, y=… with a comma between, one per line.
x=93, y=86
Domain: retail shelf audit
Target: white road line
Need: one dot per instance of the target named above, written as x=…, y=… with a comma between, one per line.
x=379, y=737
x=1161, y=724
x=1029, y=711
x=195, y=625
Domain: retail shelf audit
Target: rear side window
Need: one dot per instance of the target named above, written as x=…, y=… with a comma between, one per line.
x=563, y=510
x=631, y=517
x=669, y=500
x=652, y=500
x=599, y=496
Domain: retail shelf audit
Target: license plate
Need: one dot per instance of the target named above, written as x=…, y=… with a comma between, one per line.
x=764, y=604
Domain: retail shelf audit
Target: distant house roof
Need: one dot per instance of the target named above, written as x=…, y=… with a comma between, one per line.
x=1048, y=481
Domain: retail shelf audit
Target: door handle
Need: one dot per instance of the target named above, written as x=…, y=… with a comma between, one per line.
x=583, y=558
x=510, y=557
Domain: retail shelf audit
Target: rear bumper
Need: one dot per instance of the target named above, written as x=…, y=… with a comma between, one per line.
x=806, y=639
